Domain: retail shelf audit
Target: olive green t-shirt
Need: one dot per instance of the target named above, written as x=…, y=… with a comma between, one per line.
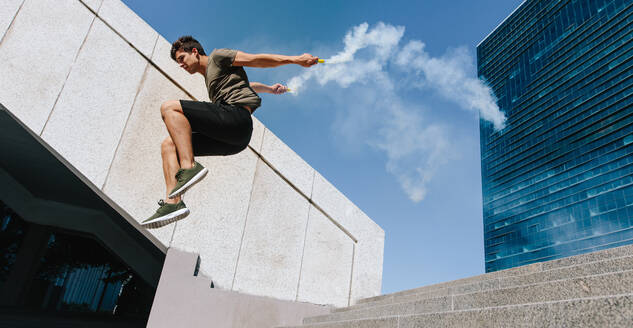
x=228, y=83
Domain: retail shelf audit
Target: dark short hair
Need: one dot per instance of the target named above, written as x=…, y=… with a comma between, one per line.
x=186, y=43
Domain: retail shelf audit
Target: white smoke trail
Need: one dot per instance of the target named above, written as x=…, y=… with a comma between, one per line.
x=414, y=149
x=342, y=68
x=448, y=76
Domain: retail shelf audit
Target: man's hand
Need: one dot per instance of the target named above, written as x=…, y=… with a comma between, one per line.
x=278, y=89
x=306, y=60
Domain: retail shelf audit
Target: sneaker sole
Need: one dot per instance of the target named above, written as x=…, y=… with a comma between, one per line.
x=189, y=184
x=167, y=219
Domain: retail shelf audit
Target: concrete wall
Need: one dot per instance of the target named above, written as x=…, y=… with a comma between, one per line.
x=89, y=78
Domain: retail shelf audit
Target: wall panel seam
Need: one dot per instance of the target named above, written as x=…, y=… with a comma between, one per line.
x=312, y=188
x=129, y=114
x=173, y=231
x=248, y=208
x=50, y=114
x=154, y=48
x=351, y=276
x=303, y=250
x=17, y=12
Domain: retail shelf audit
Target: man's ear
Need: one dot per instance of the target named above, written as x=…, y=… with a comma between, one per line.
x=194, y=52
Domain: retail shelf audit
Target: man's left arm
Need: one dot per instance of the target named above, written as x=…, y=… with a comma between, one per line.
x=274, y=89
x=271, y=60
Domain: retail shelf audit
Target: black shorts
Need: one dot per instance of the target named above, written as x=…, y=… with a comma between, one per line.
x=217, y=128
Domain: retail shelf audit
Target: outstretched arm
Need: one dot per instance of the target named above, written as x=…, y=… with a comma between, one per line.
x=274, y=89
x=270, y=60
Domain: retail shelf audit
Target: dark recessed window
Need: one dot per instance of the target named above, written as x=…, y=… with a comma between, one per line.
x=64, y=275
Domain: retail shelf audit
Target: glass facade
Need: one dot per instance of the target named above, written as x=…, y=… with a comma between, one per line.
x=66, y=277
x=558, y=180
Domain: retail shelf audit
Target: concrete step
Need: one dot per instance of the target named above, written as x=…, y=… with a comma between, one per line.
x=575, y=271
x=470, y=280
x=606, y=311
x=517, y=271
x=558, y=290
x=611, y=260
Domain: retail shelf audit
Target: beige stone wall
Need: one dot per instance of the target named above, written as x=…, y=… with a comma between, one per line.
x=263, y=221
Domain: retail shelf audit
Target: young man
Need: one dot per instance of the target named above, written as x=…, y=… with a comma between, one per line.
x=220, y=127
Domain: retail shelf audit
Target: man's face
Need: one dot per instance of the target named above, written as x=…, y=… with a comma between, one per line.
x=188, y=61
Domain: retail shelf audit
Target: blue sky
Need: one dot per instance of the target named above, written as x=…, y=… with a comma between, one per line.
x=395, y=129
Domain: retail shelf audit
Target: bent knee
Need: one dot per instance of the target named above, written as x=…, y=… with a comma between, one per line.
x=168, y=106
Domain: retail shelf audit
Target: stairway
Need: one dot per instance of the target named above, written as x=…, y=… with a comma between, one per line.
x=588, y=290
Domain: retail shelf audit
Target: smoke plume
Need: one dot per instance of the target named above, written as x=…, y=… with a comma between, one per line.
x=373, y=59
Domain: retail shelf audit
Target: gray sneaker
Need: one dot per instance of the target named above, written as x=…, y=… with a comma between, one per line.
x=166, y=214
x=188, y=177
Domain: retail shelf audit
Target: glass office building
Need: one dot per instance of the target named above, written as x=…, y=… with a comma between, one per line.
x=558, y=179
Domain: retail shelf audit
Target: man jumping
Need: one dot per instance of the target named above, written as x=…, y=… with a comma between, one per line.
x=220, y=127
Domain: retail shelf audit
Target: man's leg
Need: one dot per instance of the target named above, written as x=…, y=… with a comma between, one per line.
x=170, y=167
x=179, y=130
x=173, y=209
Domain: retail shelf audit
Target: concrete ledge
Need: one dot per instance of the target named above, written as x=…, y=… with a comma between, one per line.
x=184, y=300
